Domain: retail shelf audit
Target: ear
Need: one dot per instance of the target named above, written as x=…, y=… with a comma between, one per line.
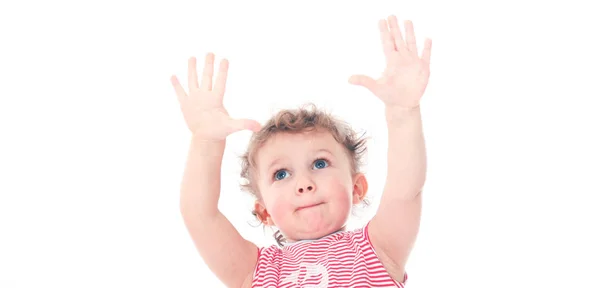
x=359, y=190
x=261, y=214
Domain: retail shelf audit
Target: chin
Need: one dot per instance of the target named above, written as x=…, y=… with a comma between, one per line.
x=320, y=230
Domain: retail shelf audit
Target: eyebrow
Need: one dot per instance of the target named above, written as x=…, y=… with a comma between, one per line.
x=277, y=160
x=324, y=150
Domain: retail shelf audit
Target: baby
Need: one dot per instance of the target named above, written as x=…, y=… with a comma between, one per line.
x=303, y=166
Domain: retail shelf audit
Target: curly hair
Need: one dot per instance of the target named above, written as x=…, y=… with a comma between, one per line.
x=306, y=118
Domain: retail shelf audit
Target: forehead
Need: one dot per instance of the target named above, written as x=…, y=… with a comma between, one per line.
x=283, y=143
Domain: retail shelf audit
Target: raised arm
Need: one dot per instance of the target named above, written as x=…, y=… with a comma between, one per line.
x=228, y=255
x=395, y=226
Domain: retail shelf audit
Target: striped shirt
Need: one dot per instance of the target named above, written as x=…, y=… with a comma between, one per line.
x=343, y=259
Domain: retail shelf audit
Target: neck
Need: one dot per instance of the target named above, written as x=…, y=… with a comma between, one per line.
x=286, y=240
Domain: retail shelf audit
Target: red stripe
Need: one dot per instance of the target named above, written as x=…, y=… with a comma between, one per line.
x=345, y=259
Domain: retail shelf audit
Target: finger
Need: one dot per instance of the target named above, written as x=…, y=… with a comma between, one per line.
x=192, y=74
x=244, y=124
x=386, y=39
x=207, y=73
x=181, y=95
x=221, y=80
x=362, y=80
x=411, y=42
x=396, y=34
x=426, y=55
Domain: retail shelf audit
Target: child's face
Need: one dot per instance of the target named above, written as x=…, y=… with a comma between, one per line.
x=306, y=184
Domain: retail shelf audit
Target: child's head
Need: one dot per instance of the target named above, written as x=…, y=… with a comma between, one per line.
x=303, y=166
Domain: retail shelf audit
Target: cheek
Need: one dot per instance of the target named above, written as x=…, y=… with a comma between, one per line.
x=342, y=197
x=277, y=206
x=339, y=188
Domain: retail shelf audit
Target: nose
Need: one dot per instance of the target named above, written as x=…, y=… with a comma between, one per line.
x=305, y=185
x=303, y=189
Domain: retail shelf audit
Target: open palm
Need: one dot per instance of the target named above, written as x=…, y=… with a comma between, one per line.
x=202, y=108
x=406, y=75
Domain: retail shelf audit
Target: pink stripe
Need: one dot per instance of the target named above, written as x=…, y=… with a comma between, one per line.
x=344, y=259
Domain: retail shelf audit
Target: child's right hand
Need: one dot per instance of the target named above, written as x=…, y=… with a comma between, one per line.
x=203, y=109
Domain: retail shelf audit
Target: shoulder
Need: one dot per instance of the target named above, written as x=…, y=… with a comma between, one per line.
x=360, y=240
x=359, y=235
x=396, y=271
x=267, y=266
x=269, y=251
x=269, y=256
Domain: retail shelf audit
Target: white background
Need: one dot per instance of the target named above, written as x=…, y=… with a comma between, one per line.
x=93, y=144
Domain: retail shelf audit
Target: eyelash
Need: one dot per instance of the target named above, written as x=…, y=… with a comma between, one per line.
x=280, y=169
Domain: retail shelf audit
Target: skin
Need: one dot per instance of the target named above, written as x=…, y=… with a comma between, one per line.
x=394, y=228
x=307, y=194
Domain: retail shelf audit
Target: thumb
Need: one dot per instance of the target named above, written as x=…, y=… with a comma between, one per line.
x=362, y=80
x=244, y=124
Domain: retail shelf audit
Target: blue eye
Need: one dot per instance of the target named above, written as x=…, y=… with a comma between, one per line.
x=320, y=164
x=280, y=175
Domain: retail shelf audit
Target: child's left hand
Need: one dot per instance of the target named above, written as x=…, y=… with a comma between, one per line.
x=406, y=74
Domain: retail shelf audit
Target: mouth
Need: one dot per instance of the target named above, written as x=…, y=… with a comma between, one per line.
x=309, y=206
